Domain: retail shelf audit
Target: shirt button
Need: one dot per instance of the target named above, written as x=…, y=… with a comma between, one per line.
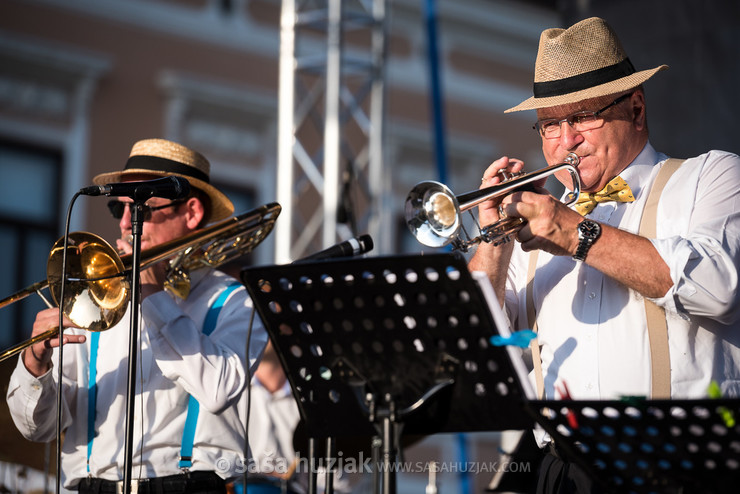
x=589, y=386
x=592, y=295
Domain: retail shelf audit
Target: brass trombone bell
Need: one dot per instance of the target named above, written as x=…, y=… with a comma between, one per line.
x=96, y=295
x=433, y=212
x=97, y=292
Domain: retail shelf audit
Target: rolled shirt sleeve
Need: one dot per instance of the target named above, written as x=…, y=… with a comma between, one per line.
x=699, y=238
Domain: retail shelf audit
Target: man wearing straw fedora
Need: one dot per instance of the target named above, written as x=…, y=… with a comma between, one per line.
x=189, y=427
x=632, y=290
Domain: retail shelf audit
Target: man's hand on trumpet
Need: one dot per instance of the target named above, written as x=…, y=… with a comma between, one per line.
x=37, y=357
x=550, y=225
x=488, y=212
x=489, y=258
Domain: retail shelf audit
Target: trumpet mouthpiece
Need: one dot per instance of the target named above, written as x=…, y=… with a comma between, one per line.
x=572, y=159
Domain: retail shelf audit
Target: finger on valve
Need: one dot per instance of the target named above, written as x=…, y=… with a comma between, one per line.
x=124, y=244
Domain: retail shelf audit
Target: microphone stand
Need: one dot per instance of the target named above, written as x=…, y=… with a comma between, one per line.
x=137, y=221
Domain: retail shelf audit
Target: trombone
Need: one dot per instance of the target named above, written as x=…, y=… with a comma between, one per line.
x=434, y=214
x=97, y=291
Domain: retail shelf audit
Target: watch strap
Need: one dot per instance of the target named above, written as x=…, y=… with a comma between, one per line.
x=584, y=242
x=584, y=245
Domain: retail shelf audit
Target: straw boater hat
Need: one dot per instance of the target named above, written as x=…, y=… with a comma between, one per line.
x=582, y=62
x=161, y=158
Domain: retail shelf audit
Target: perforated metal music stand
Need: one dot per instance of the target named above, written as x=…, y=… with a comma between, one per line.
x=649, y=446
x=371, y=344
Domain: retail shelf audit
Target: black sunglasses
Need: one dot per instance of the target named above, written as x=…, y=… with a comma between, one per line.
x=117, y=208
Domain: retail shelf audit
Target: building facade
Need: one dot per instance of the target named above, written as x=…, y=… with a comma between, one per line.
x=82, y=80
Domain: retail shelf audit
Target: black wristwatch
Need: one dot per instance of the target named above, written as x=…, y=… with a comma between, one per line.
x=588, y=232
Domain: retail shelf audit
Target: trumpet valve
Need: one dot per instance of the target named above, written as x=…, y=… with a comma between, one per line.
x=507, y=175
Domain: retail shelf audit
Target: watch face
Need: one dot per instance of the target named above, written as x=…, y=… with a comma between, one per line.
x=589, y=229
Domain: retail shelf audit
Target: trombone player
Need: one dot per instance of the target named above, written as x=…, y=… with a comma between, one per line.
x=191, y=362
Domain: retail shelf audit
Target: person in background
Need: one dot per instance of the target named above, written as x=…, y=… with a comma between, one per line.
x=192, y=358
x=629, y=296
x=273, y=420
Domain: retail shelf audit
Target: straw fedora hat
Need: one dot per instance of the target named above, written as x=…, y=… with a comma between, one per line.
x=582, y=62
x=161, y=158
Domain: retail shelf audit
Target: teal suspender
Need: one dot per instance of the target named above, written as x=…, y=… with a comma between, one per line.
x=92, y=394
x=188, y=434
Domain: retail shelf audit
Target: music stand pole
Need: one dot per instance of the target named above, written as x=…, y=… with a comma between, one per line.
x=314, y=465
x=329, y=475
x=137, y=220
x=389, y=451
x=376, y=445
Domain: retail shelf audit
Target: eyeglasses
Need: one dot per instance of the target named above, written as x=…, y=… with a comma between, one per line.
x=580, y=121
x=117, y=208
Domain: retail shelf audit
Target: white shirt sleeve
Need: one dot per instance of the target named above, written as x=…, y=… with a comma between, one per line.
x=208, y=367
x=699, y=237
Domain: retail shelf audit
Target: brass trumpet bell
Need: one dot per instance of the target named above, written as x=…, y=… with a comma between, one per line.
x=432, y=213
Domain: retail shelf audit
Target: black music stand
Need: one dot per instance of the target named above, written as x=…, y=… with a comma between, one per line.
x=370, y=345
x=649, y=446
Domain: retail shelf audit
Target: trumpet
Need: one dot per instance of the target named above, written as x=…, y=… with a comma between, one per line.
x=434, y=214
x=97, y=291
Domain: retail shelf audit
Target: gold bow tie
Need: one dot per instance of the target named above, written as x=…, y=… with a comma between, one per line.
x=616, y=190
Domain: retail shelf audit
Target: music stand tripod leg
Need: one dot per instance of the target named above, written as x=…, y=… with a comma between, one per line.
x=311, y=465
x=389, y=455
x=314, y=466
x=329, y=475
x=377, y=443
x=385, y=424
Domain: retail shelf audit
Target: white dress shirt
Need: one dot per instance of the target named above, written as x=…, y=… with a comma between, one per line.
x=175, y=358
x=273, y=418
x=593, y=330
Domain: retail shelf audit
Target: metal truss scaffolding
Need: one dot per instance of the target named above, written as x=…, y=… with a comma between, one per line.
x=330, y=123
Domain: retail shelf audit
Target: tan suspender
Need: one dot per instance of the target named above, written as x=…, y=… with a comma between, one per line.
x=660, y=362
x=532, y=320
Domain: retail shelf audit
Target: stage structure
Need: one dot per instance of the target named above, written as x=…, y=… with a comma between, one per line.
x=330, y=123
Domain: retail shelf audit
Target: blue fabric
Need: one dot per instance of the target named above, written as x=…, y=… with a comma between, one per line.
x=518, y=338
x=92, y=393
x=188, y=433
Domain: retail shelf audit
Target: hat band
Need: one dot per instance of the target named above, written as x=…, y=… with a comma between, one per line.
x=157, y=164
x=584, y=81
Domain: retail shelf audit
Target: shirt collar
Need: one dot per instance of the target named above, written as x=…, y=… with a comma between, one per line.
x=197, y=276
x=638, y=173
x=280, y=393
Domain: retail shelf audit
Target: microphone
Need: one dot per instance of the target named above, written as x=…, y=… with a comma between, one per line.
x=171, y=187
x=349, y=248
